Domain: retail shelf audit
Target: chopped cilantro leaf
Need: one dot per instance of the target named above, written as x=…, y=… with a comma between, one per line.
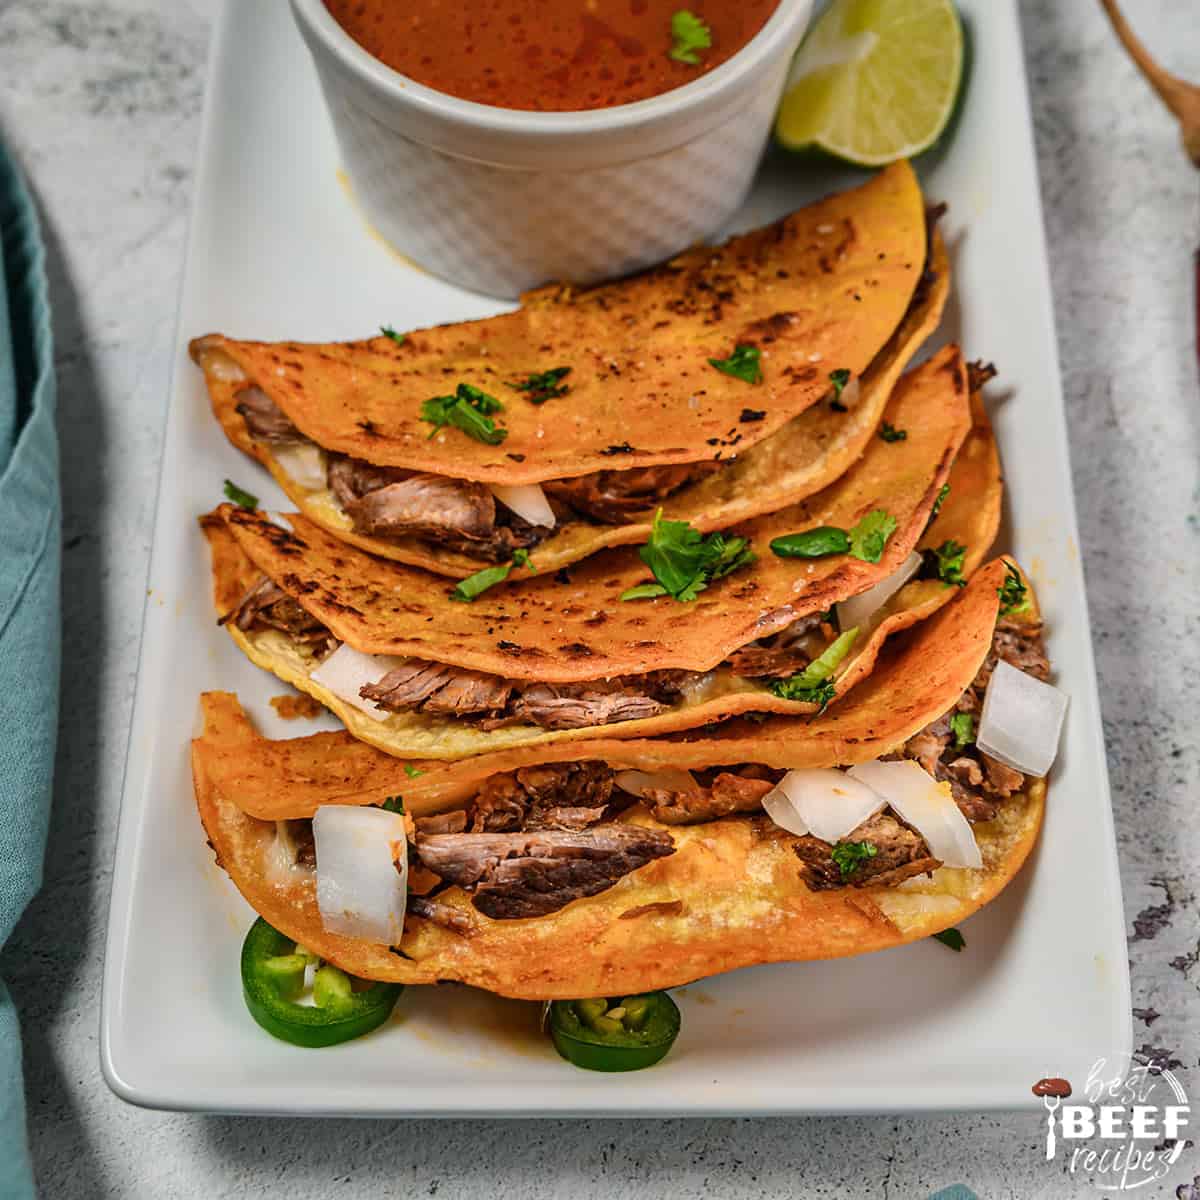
x=869, y=537
x=393, y=804
x=849, y=856
x=411, y=771
x=821, y=693
x=839, y=379
x=240, y=496
x=745, y=363
x=951, y=938
x=937, y=504
x=889, y=433
x=688, y=34
x=818, y=542
x=1014, y=595
x=475, y=585
x=962, y=725
x=468, y=409
x=685, y=561
x=644, y=591
x=544, y=385
x=389, y=332
x=814, y=684
x=947, y=562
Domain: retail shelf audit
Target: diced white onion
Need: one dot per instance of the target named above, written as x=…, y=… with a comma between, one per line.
x=698, y=688
x=304, y=462
x=856, y=611
x=928, y=806
x=280, y=859
x=850, y=393
x=828, y=801
x=362, y=871
x=346, y=671
x=1021, y=720
x=781, y=810
x=669, y=779
x=527, y=500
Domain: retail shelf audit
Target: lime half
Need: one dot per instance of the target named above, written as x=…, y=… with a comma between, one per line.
x=875, y=80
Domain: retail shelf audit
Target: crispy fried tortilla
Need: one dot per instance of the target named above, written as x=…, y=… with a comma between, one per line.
x=821, y=290
x=809, y=452
x=730, y=892
x=358, y=598
x=918, y=677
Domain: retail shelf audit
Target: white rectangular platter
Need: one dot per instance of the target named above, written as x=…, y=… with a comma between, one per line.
x=278, y=250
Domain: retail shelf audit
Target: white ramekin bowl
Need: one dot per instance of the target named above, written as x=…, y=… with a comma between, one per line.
x=500, y=200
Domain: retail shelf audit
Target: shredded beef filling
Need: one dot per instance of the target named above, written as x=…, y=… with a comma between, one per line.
x=264, y=418
x=494, y=702
x=439, y=913
x=613, y=497
x=456, y=513
x=266, y=605
x=900, y=852
x=515, y=875
x=785, y=653
x=728, y=793
x=552, y=796
x=978, y=782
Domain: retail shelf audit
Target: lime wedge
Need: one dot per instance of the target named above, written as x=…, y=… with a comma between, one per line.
x=875, y=80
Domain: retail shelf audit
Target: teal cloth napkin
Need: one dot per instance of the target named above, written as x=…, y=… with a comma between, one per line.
x=30, y=636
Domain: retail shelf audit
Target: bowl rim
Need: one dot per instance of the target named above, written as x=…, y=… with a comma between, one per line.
x=784, y=27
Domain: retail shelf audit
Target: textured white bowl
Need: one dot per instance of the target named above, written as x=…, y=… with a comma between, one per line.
x=501, y=200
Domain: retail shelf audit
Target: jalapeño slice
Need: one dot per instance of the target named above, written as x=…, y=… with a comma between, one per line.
x=616, y=1034
x=273, y=978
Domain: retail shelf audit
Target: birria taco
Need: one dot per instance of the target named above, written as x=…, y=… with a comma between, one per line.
x=726, y=383
x=413, y=670
x=612, y=867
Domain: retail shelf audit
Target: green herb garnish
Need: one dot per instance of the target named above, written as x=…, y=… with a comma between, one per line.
x=393, y=804
x=812, y=543
x=389, y=332
x=869, y=537
x=951, y=938
x=937, y=504
x=962, y=725
x=688, y=34
x=948, y=561
x=849, y=856
x=685, y=561
x=468, y=409
x=240, y=495
x=544, y=385
x=814, y=684
x=1014, y=595
x=820, y=694
x=839, y=379
x=411, y=771
x=475, y=585
x=745, y=363
x=889, y=433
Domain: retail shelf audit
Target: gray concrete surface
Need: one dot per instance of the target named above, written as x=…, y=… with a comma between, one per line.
x=102, y=103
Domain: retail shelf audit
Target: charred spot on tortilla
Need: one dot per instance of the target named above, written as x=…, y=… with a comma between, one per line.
x=619, y=448
x=750, y=415
x=980, y=373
